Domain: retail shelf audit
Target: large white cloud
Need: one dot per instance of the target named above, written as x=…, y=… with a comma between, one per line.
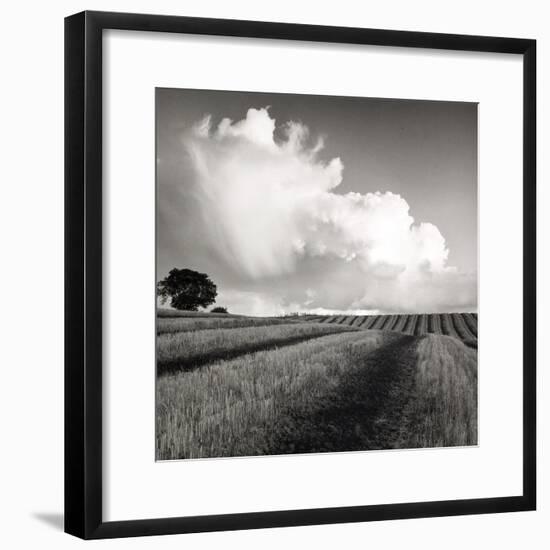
x=271, y=211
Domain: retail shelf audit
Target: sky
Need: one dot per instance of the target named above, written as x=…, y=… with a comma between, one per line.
x=301, y=203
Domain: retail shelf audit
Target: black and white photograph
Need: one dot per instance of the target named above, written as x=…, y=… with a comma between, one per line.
x=274, y=275
x=316, y=274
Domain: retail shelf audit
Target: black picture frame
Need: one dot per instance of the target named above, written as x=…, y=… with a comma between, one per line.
x=83, y=274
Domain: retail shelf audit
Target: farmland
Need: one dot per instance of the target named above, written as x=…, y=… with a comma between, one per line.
x=183, y=324
x=188, y=349
x=243, y=386
x=462, y=326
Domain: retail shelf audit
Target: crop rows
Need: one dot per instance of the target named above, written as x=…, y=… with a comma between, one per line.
x=167, y=325
x=462, y=326
x=234, y=407
x=189, y=349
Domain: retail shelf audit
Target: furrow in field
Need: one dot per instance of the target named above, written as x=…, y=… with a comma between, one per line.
x=370, y=321
x=400, y=324
x=377, y=324
x=471, y=321
x=386, y=321
x=434, y=324
x=318, y=318
x=390, y=325
x=421, y=326
x=188, y=350
x=461, y=328
x=447, y=326
x=410, y=324
x=390, y=322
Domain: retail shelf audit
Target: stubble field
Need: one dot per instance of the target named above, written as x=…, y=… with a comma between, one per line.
x=241, y=386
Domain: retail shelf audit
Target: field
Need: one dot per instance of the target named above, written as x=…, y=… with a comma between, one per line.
x=462, y=326
x=243, y=386
x=191, y=348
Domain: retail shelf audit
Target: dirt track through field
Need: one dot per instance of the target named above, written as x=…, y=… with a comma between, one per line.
x=365, y=411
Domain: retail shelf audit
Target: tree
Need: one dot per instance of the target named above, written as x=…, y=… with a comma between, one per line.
x=187, y=289
x=218, y=310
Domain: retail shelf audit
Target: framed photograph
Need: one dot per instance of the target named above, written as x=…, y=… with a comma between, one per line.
x=300, y=275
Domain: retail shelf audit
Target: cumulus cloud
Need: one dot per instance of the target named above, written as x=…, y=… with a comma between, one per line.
x=270, y=210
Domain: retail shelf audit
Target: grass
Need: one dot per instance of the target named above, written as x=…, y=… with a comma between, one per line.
x=230, y=408
x=166, y=312
x=184, y=324
x=443, y=411
x=186, y=350
x=300, y=387
x=362, y=410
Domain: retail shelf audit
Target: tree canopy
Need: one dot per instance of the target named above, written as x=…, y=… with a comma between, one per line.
x=187, y=289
